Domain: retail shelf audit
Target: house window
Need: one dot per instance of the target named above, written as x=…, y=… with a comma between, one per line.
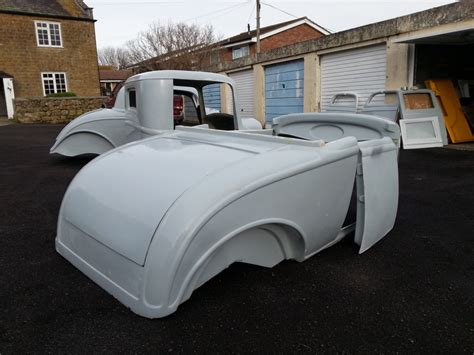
x=240, y=52
x=48, y=34
x=54, y=82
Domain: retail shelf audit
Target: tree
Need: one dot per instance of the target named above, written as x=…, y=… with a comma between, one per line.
x=172, y=46
x=114, y=56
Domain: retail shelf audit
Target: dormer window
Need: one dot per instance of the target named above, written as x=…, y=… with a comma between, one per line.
x=239, y=52
x=48, y=34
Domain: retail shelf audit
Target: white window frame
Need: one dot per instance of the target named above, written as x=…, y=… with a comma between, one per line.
x=239, y=50
x=54, y=81
x=417, y=143
x=49, y=34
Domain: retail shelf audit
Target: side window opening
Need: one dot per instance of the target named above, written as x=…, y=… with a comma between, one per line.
x=132, y=98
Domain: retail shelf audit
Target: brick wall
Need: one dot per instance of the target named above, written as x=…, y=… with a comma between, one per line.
x=21, y=57
x=294, y=35
x=54, y=110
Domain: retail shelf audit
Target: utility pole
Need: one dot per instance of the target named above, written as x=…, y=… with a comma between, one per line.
x=258, y=26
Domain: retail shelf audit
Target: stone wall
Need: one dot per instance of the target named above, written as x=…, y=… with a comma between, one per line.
x=54, y=109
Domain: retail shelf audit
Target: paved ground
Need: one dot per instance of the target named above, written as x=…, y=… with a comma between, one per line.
x=461, y=146
x=411, y=293
x=5, y=121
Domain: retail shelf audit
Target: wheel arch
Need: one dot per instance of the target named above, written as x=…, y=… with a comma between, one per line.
x=265, y=243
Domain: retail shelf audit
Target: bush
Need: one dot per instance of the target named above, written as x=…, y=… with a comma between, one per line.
x=62, y=94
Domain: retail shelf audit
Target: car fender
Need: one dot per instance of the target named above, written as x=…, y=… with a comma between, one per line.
x=102, y=130
x=263, y=236
x=280, y=239
x=83, y=142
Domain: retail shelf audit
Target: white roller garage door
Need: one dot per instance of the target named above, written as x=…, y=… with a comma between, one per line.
x=360, y=70
x=245, y=91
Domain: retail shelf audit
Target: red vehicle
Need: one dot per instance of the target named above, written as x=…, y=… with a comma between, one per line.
x=178, y=103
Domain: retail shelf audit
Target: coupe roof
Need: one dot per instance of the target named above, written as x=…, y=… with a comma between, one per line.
x=183, y=77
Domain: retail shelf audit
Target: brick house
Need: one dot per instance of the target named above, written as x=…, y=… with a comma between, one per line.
x=235, y=47
x=271, y=37
x=234, y=50
x=110, y=78
x=46, y=46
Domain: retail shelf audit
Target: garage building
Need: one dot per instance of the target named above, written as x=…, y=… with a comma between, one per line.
x=403, y=52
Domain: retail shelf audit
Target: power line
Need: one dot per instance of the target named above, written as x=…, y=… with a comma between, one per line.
x=276, y=8
x=226, y=12
x=128, y=3
x=217, y=11
x=251, y=13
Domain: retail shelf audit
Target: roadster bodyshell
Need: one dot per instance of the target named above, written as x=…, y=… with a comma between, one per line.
x=153, y=220
x=101, y=130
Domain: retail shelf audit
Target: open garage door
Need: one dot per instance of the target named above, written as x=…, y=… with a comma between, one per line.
x=245, y=89
x=443, y=62
x=284, y=89
x=359, y=70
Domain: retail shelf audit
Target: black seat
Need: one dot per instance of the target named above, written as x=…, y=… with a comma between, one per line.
x=221, y=121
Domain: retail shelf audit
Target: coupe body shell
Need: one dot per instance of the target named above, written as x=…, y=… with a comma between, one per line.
x=144, y=107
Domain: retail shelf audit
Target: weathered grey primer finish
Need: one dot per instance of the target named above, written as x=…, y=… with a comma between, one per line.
x=153, y=220
x=422, y=128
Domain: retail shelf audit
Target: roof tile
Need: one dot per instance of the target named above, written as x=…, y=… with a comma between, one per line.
x=68, y=8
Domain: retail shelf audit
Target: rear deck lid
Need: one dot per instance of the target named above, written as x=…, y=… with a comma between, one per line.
x=120, y=198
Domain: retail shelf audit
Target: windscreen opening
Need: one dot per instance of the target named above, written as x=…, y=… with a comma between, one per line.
x=219, y=106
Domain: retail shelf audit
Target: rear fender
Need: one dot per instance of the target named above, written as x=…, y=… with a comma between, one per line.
x=263, y=245
x=83, y=142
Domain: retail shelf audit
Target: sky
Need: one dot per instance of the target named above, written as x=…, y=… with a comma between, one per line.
x=121, y=20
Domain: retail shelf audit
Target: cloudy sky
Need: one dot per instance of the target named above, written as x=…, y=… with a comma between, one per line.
x=120, y=20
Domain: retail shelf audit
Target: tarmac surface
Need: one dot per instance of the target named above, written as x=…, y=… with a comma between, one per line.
x=413, y=292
